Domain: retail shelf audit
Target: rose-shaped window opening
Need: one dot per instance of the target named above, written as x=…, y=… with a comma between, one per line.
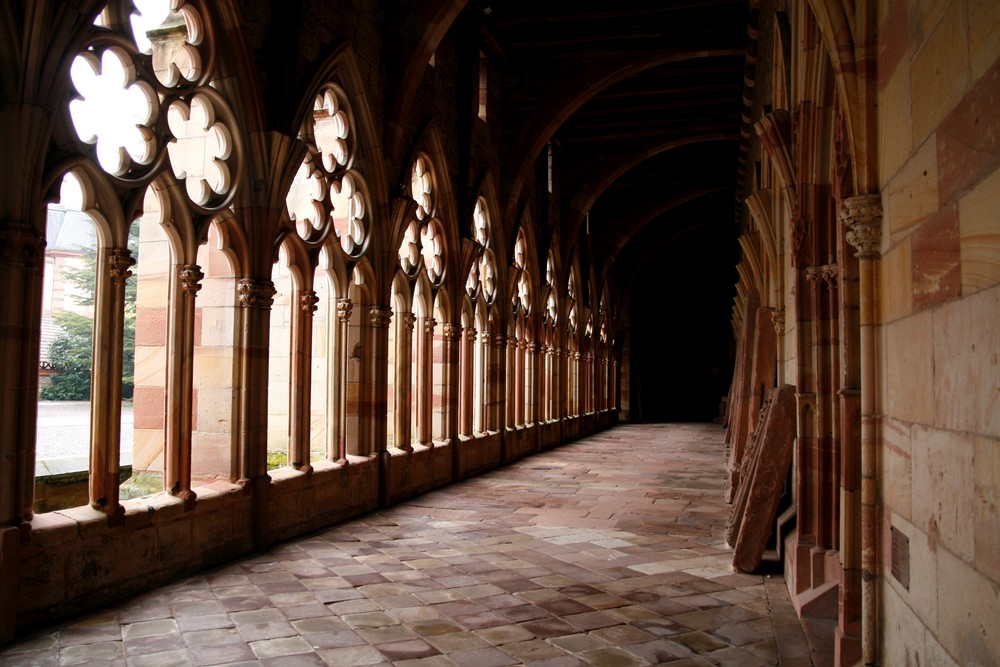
x=409, y=249
x=113, y=110
x=487, y=274
x=480, y=223
x=331, y=131
x=422, y=188
x=304, y=200
x=176, y=34
x=349, y=209
x=201, y=148
x=432, y=249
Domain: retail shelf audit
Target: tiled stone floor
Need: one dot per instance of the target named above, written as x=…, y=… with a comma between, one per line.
x=605, y=552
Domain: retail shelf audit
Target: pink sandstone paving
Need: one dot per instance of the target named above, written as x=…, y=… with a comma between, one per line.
x=606, y=551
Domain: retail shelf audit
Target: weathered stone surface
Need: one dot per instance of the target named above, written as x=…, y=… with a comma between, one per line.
x=764, y=471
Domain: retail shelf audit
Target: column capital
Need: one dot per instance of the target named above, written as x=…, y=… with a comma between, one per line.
x=344, y=308
x=308, y=301
x=120, y=261
x=191, y=277
x=21, y=244
x=778, y=319
x=823, y=276
x=256, y=293
x=451, y=331
x=862, y=214
x=429, y=324
x=380, y=317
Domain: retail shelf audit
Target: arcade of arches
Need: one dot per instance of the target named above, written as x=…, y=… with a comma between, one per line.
x=332, y=255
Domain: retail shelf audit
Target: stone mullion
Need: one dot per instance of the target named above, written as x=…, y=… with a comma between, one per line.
x=300, y=379
x=106, y=392
x=510, y=381
x=179, y=384
x=337, y=397
x=862, y=214
x=425, y=379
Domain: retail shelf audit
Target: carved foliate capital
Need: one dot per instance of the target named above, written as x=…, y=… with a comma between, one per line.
x=862, y=214
x=191, y=277
x=451, y=331
x=429, y=324
x=407, y=321
x=470, y=335
x=308, y=301
x=344, y=309
x=380, y=317
x=256, y=293
x=826, y=275
x=499, y=340
x=120, y=260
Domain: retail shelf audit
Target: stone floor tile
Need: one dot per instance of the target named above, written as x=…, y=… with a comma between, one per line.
x=352, y=655
x=533, y=649
x=269, y=648
x=218, y=655
x=578, y=643
x=408, y=649
x=175, y=658
x=611, y=656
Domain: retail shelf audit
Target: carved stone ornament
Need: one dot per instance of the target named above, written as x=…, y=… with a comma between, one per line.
x=344, y=309
x=380, y=317
x=308, y=301
x=21, y=244
x=778, y=319
x=407, y=320
x=451, y=331
x=826, y=275
x=429, y=324
x=191, y=277
x=862, y=214
x=499, y=341
x=120, y=261
x=470, y=335
x=256, y=293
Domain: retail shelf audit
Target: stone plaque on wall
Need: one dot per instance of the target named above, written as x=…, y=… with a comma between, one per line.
x=900, y=555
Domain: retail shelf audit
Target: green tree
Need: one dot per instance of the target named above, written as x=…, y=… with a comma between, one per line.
x=72, y=351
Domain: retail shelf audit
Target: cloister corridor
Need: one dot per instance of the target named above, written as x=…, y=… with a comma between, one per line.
x=606, y=551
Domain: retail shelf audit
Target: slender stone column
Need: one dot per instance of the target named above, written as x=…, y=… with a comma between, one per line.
x=301, y=380
x=337, y=401
x=862, y=214
x=451, y=334
x=496, y=372
x=255, y=299
x=106, y=403
x=531, y=355
x=180, y=390
x=21, y=257
x=374, y=411
x=510, y=381
x=404, y=381
x=425, y=379
x=466, y=363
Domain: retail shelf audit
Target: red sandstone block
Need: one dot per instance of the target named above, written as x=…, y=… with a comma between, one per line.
x=893, y=41
x=935, y=260
x=968, y=140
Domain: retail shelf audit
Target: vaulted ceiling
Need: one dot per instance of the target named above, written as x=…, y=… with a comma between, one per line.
x=643, y=103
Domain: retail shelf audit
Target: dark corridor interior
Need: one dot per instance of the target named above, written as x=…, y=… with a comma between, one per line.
x=682, y=344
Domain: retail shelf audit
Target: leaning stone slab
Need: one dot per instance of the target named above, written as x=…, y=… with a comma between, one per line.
x=762, y=479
